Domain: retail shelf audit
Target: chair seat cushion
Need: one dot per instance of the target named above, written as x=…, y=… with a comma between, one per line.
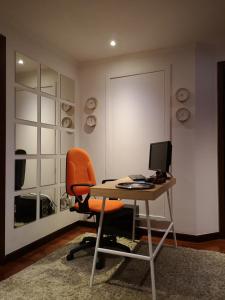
x=95, y=205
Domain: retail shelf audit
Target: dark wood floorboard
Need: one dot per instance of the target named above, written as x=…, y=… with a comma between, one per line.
x=24, y=261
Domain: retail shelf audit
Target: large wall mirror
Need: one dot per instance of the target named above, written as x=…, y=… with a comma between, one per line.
x=44, y=131
x=67, y=88
x=26, y=105
x=26, y=71
x=49, y=79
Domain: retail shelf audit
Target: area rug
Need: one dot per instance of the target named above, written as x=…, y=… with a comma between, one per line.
x=181, y=274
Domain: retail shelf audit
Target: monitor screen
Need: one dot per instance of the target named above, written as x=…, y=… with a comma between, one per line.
x=160, y=156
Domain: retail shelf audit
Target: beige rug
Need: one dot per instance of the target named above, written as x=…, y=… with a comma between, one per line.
x=180, y=274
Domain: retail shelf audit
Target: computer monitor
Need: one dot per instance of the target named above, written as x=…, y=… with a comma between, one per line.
x=160, y=156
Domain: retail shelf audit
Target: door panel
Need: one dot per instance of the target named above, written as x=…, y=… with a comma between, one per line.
x=137, y=114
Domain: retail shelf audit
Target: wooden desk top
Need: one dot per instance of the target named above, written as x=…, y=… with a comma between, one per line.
x=109, y=190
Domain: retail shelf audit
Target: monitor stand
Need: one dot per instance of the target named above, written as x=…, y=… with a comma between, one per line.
x=159, y=177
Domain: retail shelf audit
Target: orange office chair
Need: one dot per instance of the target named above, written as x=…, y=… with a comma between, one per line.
x=80, y=177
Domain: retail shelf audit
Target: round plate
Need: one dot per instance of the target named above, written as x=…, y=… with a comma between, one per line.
x=66, y=122
x=66, y=107
x=182, y=94
x=91, y=121
x=135, y=185
x=91, y=103
x=183, y=114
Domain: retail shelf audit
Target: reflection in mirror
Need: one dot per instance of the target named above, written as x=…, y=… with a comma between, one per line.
x=66, y=88
x=47, y=171
x=48, y=80
x=65, y=200
x=67, y=141
x=67, y=115
x=47, y=141
x=48, y=204
x=48, y=111
x=26, y=105
x=25, y=172
x=26, y=71
x=63, y=169
x=25, y=208
x=26, y=138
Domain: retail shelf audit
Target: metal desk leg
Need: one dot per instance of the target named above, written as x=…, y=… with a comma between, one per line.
x=171, y=217
x=134, y=217
x=98, y=240
x=150, y=251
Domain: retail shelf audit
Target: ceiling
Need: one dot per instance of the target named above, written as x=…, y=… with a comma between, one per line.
x=82, y=29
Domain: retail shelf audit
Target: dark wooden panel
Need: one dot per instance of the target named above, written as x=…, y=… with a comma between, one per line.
x=2, y=143
x=221, y=144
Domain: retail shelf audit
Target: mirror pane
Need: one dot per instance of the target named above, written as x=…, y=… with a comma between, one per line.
x=67, y=115
x=26, y=105
x=25, y=174
x=67, y=88
x=65, y=201
x=48, y=111
x=26, y=71
x=47, y=141
x=25, y=208
x=67, y=141
x=48, y=202
x=63, y=169
x=48, y=171
x=26, y=138
x=48, y=80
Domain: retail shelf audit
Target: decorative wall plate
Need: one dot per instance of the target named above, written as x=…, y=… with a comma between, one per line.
x=67, y=122
x=91, y=103
x=182, y=94
x=183, y=114
x=91, y=121
x=66, y=107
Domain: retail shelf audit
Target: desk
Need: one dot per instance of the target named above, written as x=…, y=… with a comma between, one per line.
x=109, y=190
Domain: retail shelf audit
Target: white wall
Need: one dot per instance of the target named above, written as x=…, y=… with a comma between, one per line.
x=92, y=81
x=19, y=237
x=194, y=142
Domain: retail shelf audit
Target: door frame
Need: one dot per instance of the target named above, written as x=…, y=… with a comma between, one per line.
x=221, y=143
x=167, y=70
x=3, y=143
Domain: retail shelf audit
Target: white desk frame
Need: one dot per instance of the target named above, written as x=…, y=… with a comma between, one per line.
x=109, y=190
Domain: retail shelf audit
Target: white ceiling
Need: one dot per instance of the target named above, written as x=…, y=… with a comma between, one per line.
x=83, y=28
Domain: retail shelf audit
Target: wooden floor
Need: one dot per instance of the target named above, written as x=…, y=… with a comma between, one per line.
x=18, y=264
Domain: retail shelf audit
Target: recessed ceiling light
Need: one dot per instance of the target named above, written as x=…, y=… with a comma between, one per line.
x=20, y=62
x=113, y=43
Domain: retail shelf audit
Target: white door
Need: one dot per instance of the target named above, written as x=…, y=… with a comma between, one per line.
x=138, y=113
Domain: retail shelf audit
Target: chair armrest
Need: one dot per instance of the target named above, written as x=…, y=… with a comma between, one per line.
x=82, y=184
x=106, y=180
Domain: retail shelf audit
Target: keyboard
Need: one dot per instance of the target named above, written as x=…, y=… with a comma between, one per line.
x=138, y=177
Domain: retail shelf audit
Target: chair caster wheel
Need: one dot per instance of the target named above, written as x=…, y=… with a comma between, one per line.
x=69, y=257
x=100, y=264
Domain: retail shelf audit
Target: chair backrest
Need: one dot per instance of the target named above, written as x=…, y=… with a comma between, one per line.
x=79, y=169
x=20, y=170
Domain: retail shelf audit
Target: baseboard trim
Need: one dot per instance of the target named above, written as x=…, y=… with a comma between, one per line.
x=86, y=223
x=189, y=237
x=140, y=231
x=180, y=236
x=17, y=253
